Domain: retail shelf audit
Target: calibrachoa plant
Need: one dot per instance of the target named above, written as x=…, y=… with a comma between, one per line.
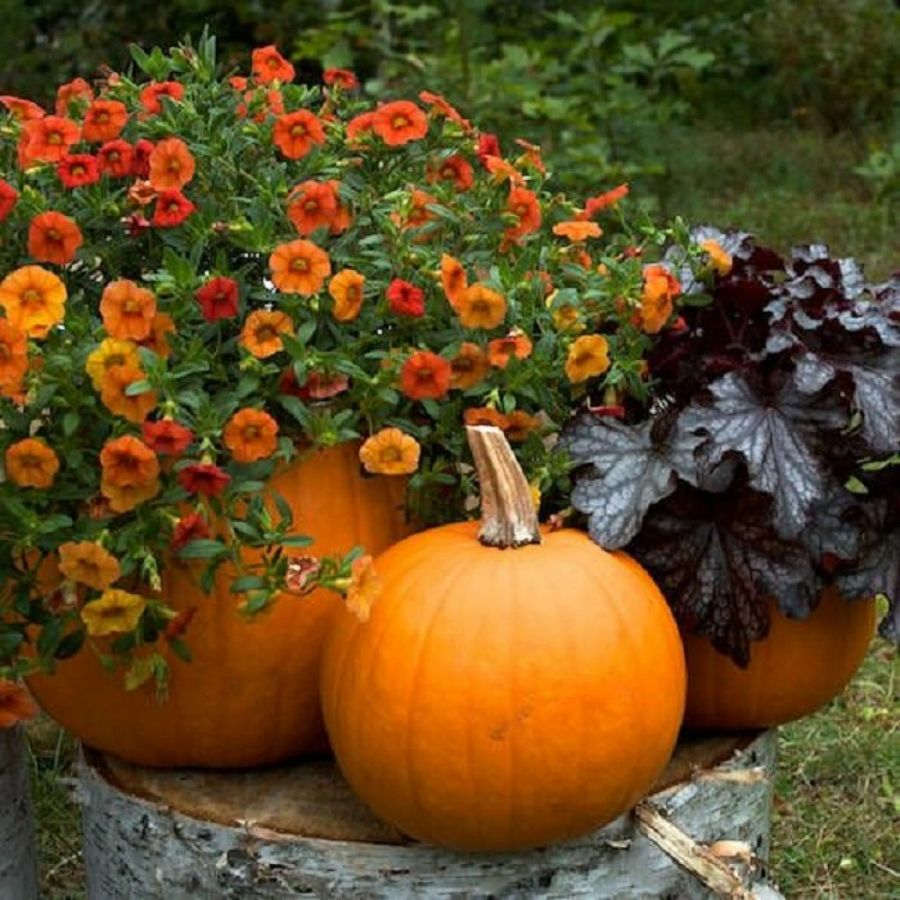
x=202, y=277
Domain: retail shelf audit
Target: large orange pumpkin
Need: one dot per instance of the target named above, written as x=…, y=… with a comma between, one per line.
x=250, y=694
x=797, y=668
x=512, y=686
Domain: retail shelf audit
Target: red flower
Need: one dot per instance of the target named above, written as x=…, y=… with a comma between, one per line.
x=135, y=224
x=425, y=375
x=595, y=204
x=318, y=385
x=104, y=120
x=442, y=107
x=406, y=299
x=312, y=205
x=344, y=77
x=524, y=205
x=77, y=89
x=78, y=170
x=22, y=110
x=8, y=198
x=456, y=169
x=399, y=123
x=172, y=208
x=140, y=158
x=166, y=437
x=360, y=125
x=488, y=145
x=178, y=625
x=218, y=298
x=115, y=158
x=151, y=96
x=203, y=478
x=189, y=528
x=267, y=64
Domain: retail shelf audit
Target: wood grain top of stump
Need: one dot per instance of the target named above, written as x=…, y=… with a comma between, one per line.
x=311, y=799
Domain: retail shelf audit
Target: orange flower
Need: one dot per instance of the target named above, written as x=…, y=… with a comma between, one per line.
x=267, y=64
x=53, y=238
x=501, y=350
x=88, y=563
x=588, y=356
x=34, y=300
x=501, y=170
x=127, y=461
x=9, y=196
x=312, y=205
x=469, y=367
x=453, y=278
x=250, y=435
x=343, y=77
x=532, y=156
x=294, y=134
x=127, y=310
x=519, y=425
x=114, y=394
x=660, y=290
x=299, y=267
x=455, y=169
x=418, y=214
x=577, y=231
x=390, y=452
x=123, y=499
x=22, y=110
x=171, y=165
x=31, y=463
x=566, y=318
x=152, y=95
x=114, y=612
x=48, y=139
x=524, y=205
x=480, y=307
x=161, y=327
x=360, y=126
x=425, y=375
x=13, y=357
x=346, y=288
x=343, y=217
x=111, y=352
x=365, y=588
x=77, y=90
x=104, y=121
x=262, y=332
x=484, y=415
x=440, y=106
x=719, y=258
x=610, y=198
x=399, y=123
x=16, y=704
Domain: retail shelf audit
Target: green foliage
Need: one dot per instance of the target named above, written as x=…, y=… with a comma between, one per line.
x=882, y=171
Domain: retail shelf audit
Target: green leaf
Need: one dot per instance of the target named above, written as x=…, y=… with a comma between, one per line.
x=203, y=548
x=247, y=583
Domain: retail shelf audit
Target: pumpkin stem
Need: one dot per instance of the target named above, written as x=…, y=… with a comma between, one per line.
x=508, y=516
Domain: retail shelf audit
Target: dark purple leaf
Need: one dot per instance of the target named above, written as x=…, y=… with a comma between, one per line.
x=717, y=558
x=628, y=468
x=775, y=438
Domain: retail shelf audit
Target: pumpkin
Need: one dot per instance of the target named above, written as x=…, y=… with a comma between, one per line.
x=799, y=666
x=250, y=694
x=512, y=686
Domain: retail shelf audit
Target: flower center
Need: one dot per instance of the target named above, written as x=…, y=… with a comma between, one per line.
x=311, y=205
x=391, y=454
x=132, y=306
x=298, y=131
x=53, y=235
x=54, y=138
x=78, y=171
x=174, y=166
x=299, y=265
x=32, y=296
x=251, y=432
x=113, y=156
x=265, y=333
x=103, y=117
x=400, y=122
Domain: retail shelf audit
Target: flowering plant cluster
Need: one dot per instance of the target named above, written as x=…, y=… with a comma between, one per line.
x=201, y=277
x=766, y=464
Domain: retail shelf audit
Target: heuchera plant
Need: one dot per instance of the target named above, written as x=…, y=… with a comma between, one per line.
x=201, y=277
x=766, y=463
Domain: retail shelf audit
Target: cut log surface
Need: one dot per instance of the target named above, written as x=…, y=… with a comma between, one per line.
x=18, y=861
x=298, y=831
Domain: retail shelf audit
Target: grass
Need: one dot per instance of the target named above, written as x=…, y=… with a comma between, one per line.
x=836, y=808
x=788, y=186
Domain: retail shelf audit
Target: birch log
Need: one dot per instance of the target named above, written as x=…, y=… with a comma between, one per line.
x=299, y=832
x=18, y=860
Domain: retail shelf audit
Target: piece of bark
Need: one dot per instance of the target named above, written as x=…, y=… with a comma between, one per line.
x=18, y=859
x=298, y=831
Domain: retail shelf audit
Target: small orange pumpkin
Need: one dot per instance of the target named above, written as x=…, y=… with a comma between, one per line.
x=250, y=694
x=512, y=686
x=798, y=667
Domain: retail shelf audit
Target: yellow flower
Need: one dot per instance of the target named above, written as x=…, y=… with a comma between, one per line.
x=390, y=452
x=535, y=492
x=719, y=258
x=566, y=319
x=364, y=589
x=111, y=352
x=34, y=300
x=115, y=611
x=588, y=356
x=88, y=563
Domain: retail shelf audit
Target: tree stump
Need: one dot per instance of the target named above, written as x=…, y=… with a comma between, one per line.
x=18, y=860
x=298, y=831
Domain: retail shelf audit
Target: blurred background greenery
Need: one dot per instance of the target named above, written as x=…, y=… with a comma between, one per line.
x=782, y=117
